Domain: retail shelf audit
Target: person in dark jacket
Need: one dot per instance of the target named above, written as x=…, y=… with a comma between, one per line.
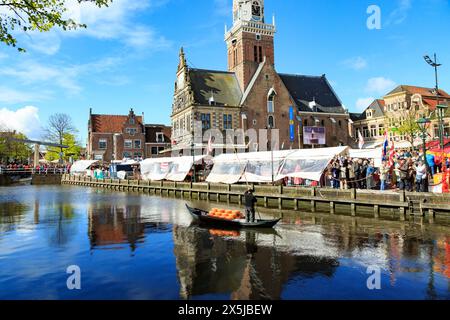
x=250, y=201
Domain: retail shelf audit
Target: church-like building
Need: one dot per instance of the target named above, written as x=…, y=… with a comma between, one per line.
x=252, y=94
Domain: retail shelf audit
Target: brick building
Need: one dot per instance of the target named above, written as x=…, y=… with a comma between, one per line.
x=404, y=104
x=251, y=93
x=157, y=139
x=115, y=137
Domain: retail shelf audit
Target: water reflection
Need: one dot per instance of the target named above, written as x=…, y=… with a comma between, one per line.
x=113, y=225
x=248, y=269
x=305, y=257
x=11, y=214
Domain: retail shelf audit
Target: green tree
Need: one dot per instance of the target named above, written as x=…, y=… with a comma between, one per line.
x=73, y=151
x=409, y=128
x=13, y=150
x=36, y=15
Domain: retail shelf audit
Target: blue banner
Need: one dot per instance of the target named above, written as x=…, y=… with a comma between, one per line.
x=291, y=124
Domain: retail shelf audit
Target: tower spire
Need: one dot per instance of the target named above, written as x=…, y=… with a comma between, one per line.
x=182, y=63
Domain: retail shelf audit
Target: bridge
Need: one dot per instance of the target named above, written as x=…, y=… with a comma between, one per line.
x=37, y=146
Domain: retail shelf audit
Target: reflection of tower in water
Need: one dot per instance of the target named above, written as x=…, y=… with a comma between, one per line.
x=222, y=266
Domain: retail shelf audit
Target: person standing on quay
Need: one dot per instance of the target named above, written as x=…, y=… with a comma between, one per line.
x=384, y=171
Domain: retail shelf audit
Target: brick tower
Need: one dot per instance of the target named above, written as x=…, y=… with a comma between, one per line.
x=249, y=41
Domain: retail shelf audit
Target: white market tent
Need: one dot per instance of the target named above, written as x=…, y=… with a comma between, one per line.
x=371, y=154
x=172, y=169
x=308, y=164
x=80, y=167
x=246, y=167
x=256, y=167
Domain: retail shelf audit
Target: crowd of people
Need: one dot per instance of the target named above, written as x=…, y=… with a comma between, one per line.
x=403, y=170
x=43, y=168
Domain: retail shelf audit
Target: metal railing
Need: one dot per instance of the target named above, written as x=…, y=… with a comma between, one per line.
x=44, y=171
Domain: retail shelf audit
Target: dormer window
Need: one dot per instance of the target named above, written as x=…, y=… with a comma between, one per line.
x=211, y=100
x=159, y=137
x=131, y=131
x=132, y=121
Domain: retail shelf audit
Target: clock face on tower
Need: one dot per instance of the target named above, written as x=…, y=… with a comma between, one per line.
x=256, y=10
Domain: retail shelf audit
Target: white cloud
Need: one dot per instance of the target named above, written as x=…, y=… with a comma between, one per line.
x=12, y=96
x=142, y=37
x=116, y=22
x=65, y=77
x=47, y=43
x=379, y=85
x=363, y=103
x=357, y=63
x=25, y=120
x=31, y=72
x=400, y=14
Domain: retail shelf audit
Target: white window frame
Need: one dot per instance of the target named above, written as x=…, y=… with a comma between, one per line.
x=105, y=141
x=158, y=136
x=131, y=131
x=128, y=144
x=140, y=144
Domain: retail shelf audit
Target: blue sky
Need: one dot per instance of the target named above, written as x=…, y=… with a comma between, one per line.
x=129, y=54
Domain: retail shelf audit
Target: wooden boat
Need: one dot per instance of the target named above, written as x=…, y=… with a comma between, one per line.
x=202, y=217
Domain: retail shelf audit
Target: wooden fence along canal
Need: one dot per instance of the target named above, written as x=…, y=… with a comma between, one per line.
x=387, y=204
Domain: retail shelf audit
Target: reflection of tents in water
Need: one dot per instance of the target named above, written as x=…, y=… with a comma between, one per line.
x=241, y=269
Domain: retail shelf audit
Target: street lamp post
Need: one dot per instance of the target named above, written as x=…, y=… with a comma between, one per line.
x=436, y=65
x=423, y=124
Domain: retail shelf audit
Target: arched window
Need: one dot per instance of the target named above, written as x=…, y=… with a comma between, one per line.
x=271, y=101
x=271, y=122
x=256, y=9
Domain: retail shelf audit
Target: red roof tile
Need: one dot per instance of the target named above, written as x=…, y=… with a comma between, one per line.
x=103, y=123
x=425, y=91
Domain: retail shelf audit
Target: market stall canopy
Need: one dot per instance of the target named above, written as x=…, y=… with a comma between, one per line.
x=80, y=167
x=371, y=154
x=172, y=169
x=403, y=145
x=256, y=167
x=228, y=168
x=372, y=145
x=129, y=162
x=309, y=164
x=259, y=166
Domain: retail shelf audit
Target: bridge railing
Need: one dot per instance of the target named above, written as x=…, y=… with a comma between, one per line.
x=46, y=171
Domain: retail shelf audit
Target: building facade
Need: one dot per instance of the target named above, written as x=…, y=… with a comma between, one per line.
x=157, y=139
x=116, y=137
x=251, y=94
x=397, y=112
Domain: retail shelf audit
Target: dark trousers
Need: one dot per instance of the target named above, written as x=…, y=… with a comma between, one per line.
x=336, y=183
x=403, y=185
x=250, y=214
x=419, y=185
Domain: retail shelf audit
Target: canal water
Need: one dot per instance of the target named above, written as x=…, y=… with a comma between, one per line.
x=131, y=246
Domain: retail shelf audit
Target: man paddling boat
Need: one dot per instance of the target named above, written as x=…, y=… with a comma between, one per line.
x=250, y=201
